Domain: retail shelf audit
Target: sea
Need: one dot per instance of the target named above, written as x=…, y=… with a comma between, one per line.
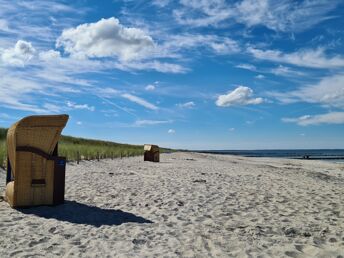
x=331, y=155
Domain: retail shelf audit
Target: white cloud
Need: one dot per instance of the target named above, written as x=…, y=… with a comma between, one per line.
x=232, y=129
x=79, y=123
x=161, y=3
x=225, y=46
x=240, y=96
x=52, y=6
x=278, y=15
x=253, y=12
x=49, y=55
x=154, y=65
x=171, y=131
x=52, y=108
x=286, y=71
x=304, y=58
x=220, y=45
x=4, y=25
x=284, y=15
x=108, y=92
x=260, y=76
x=38, y=20
x=328, y=92
x=199, y=13
x=151, y=122
x=14, y=94
x=139, y=101
x=19, y=55
x=150, y=87
x=189, y=104
x=79, y=106
x=247, y=67
x=106, y=38
x=329, y=118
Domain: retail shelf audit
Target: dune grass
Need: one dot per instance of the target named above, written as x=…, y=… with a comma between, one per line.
x=84, y=149
x=72, y=148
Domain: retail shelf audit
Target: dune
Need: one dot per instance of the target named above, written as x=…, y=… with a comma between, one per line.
x=188, y=205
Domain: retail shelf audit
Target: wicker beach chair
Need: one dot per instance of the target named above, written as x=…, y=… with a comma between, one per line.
x=151, y=153
x=35, y=174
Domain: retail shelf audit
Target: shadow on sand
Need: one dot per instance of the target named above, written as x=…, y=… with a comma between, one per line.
x=78, y=213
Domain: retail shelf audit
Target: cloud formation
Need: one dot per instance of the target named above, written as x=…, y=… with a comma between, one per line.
x=150, y=87
x=153, y=65
x=260, y=76
x=161, y=3
x=139, y=101
x=312, y=58
x=174, y=44
x=19, y=55
x=106, y=38
x=277, y=15
x=189, y=105
x=80, y=106
x=240, y=96
x=199, y=13
x=328, y=92
x=249, y=67
x=4, y=25
x=329, y=118
x=49, y=55
x=14, y=94
x=284, y=15
x=151, y=122
x=171, y=131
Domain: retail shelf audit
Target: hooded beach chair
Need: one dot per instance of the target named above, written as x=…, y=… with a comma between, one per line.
x=35, y=173
x=151, y=153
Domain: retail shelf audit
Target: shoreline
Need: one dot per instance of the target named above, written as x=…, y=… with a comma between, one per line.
x=190, y=204
x=260, y=154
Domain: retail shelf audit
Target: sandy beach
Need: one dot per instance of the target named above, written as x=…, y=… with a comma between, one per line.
x=188, y=205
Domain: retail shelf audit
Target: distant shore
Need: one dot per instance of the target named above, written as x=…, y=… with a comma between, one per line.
x=188, y=205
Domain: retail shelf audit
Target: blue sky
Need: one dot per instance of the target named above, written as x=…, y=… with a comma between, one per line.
x=196, y=74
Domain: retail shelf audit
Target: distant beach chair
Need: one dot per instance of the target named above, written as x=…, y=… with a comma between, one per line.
x=151, y=153
x=35, y=173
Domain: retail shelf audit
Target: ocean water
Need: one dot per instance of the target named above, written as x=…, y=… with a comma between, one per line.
x=336, y=155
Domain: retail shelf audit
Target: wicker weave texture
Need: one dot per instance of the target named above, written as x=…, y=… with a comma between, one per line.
x=40, y=132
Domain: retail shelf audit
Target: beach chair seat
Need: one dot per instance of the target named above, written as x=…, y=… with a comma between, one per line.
x=151, y=153
x=35, y=173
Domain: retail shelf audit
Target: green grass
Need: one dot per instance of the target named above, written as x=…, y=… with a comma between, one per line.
x=71, y=147
x=87, y=149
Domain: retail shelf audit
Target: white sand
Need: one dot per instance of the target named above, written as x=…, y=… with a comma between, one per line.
x=199, y=206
